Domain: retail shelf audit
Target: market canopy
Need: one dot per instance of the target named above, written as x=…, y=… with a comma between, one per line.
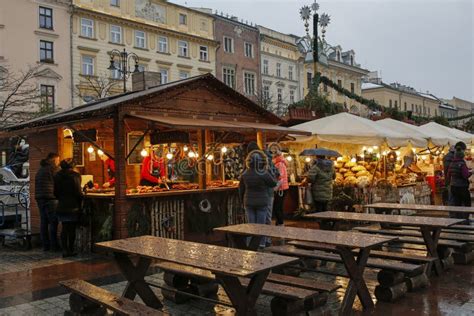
x=213, y=124
x=351, y=129
x=417, y=137
x=436, y=130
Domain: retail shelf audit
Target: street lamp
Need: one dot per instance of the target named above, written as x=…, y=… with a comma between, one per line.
x=124, y=58
x=323, y=22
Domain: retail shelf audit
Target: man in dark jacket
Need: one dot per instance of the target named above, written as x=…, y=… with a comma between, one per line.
x=446, y=164
x=458, y=175
x=68, y=191
x=46, y=201
x=321, y=176
x=254, y=190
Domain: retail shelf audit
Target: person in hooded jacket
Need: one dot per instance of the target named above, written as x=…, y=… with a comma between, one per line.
x=458, y=175
x=46, y=201
x=321, y=176
x=281, y=164
x=68, y=191
x=254, y=189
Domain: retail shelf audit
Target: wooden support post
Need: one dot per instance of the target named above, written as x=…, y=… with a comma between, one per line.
x=208, y=140
x=201, y=139
x=260, y=140
x=120, y=216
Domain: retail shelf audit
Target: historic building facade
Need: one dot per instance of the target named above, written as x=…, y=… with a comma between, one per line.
x=463, y=108
x=176, y=41
x=281, y=67
x=238, y=55
x=34, y=36
x=404, y=98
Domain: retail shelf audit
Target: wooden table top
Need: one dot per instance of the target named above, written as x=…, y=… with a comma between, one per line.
x=334, y=238
x=417, y=221
x=222, y=260
x=418, y=207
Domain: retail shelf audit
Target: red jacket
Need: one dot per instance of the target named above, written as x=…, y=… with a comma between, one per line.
x=110, y=165
x=282, y=165
x=146, y=172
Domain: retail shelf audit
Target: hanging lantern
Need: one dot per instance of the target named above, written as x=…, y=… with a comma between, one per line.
x=100, y=152
x=144, y=152
x=90, y=149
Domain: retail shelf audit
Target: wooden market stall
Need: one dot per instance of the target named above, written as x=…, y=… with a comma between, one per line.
x=195, y=128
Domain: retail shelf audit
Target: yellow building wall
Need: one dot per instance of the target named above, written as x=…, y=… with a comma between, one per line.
x=100, y=45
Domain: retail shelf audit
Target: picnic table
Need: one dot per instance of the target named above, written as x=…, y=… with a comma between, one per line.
x=389, y=207
x=344, y=243
x=227, y=264
x=430, y=227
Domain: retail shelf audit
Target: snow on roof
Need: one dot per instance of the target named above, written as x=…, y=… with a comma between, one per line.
x=369, y=85
x=428, y=96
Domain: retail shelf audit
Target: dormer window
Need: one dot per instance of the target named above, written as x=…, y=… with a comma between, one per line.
x=338, y=56
x=352, y=60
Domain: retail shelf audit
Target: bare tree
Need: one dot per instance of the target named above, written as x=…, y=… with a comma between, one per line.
x=97, y=87
x=19, y=94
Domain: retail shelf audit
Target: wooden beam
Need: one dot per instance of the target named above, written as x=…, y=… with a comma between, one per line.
x=260, y=140
x=208, y=140
x=201, y=138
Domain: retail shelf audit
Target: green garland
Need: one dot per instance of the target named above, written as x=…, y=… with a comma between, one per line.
x=457, y=118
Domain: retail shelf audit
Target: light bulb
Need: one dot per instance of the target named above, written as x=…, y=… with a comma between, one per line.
x=196, y=155
x=100, y=152
x=398, y=153
x=289, y=158
x=339, y=159
x=362, y=156
x=353, y=160
x=169, y=156
x=378, y=155
x=185, y=148
x=370, y=150
x=424, y=157
x=414, y=150
x=364, y=148
x=224, y=149
x=375, y=147
x=90, y=149
x=191, y=154
x=210, y=157
x=384, y=153
x=307, y=159
x=144, y=152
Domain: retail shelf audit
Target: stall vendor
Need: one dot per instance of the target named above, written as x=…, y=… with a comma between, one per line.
x=110, y=165
x=153, y=170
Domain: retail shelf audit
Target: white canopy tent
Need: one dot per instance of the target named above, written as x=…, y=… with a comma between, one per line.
x=351, y=129
x=418, y=136
x=436, y=130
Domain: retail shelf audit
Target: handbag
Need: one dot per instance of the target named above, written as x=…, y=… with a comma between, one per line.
x=308, y=196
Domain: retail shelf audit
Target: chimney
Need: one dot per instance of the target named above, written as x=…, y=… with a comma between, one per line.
x=145, y=80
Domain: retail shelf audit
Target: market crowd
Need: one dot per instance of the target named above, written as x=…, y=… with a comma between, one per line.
x=262, y=189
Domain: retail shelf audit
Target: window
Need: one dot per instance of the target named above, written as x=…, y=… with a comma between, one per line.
x=87, y=28
x=45, y=18
x=183, y=48
x=389, y=103
x=292, y=96
x=87, y=65
x=248, y=50
x=140, y=41
x=265, y=67
x=338, y=56
x=352, y=87
x=278, y=72
x=203, y=53
x=405, y=106
x=183, y=74
x=396, y=104
x=163, y=44
x=309, y=79
x=266, y=93
x=339, y=83
x=412, y=107
x=164, y=75
x=429, y=111
x=229, y=76
x=204, y=25
x=183, y=19
x=116, y=73
x=279, y=95
x=249, y=83
x=228, y=44
x=290, y=72
x=47, y=98
x=141, y=68
x=116, y=34
x=115, y=3
x=436, y=112
x=46, y=52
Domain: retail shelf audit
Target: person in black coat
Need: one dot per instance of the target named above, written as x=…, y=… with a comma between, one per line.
x=46, y=201
x=68, y=191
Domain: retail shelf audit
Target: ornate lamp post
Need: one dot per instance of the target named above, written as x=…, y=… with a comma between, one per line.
x=323, y=22
x=124, y=58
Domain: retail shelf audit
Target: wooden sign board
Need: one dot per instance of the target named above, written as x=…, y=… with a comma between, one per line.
x=78, y=154
x=157, y=138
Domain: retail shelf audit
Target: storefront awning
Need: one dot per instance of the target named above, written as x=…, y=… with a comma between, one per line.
x=191, y=123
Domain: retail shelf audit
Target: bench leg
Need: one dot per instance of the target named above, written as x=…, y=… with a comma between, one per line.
x=135, y=275
x=243, y=298
x=240, y=242
x=431, y=237
x=355, y=270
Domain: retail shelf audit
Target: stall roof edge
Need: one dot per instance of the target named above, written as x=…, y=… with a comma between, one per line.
x=109, y=103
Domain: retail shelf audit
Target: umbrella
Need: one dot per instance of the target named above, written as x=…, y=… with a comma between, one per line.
x=320, y=152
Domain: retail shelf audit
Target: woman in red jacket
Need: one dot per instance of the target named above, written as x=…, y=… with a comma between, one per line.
x=153, y=170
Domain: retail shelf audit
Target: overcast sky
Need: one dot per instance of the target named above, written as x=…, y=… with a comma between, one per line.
x=427, y=44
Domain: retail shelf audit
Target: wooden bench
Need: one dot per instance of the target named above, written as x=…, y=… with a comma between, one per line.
x=102, y=297
x=291, y=295
x=408, y=232
x=463, y=227
x=398, y=256
x=451, y=229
